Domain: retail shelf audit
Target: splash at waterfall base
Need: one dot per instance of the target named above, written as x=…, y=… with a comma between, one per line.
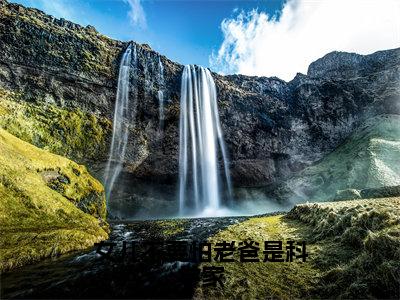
x=202, y=187
x=135, y=199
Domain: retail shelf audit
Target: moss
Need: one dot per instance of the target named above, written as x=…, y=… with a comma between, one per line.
x=37, y=221
x=171, y=228
x=260, y=280
x=70, y=133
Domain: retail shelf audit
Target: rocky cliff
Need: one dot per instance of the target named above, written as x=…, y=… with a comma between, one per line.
x=62, y=78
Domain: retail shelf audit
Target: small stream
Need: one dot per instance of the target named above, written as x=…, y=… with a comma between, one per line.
x=86, y=274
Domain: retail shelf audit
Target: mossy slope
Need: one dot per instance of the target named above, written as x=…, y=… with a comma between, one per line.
x=369, y=158
x=68, y=132
x=48, y=204
x=353, y=251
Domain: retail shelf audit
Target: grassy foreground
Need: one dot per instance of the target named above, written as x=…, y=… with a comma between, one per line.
x=48, y=204
x=353, y=246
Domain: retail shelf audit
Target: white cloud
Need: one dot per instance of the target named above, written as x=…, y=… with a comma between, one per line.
x=58, y=9
x=136, y=13
x=258, y=44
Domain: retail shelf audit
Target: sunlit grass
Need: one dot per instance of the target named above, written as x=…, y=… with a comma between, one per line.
x=39, y=214
x=353, y=251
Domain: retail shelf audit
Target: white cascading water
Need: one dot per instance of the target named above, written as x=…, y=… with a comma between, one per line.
x=161, y=93
x=122, y=120
x=200, y=132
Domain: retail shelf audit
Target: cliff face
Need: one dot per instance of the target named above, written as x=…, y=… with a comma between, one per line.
x=369, y=158
x=272, y=128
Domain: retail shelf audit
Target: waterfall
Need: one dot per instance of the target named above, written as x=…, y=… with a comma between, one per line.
x=161, y=93
x=200, y=138
x=123, y=117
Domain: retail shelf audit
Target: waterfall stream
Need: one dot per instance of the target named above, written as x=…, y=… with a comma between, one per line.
x=201, y=189
x=123, y=117
x=161, y=93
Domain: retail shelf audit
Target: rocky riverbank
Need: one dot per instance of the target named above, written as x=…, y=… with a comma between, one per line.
x=330, y=134
x=352, y=251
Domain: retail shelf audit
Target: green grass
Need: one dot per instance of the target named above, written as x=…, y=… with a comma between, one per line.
x=71, y=133
x=170, y=228
x=48, y=204
x=260, y=280
x=359, y=242
x=353, y=251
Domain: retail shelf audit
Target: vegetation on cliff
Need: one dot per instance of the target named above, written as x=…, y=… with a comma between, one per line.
x=368, y=158
x=353, y=251
x=272, y=128
x=49, y=204
x=58, y=42
x=68, y=132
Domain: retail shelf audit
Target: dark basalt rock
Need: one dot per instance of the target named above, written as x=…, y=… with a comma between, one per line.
x=348, y=65
x=382, y=192
x=272, y=128
x=371, y=193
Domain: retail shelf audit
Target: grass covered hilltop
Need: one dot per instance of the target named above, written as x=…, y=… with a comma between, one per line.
x=49, y=204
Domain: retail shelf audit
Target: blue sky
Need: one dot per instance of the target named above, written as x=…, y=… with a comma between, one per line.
x=241, y=36
x=185, y=31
